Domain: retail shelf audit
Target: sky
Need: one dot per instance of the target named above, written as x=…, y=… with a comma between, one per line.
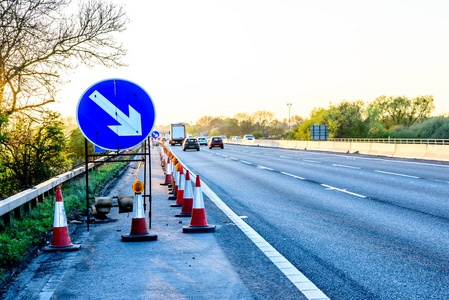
x=220, y=58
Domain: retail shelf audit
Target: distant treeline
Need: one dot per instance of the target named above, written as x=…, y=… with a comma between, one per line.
x=394, y=116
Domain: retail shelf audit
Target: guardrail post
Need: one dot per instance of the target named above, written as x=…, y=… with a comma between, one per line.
x=17, y=213
x=26, y=207
x=33, y=203
x=40, y=198
x=7, y=220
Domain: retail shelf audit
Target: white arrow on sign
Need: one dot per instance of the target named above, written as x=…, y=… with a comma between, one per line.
x=131, y=125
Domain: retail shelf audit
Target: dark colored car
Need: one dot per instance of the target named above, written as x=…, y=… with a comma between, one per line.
x=216, y=141
x=190, y=143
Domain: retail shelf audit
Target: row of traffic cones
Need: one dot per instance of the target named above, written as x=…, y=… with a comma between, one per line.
x=180, y=189
x=192, y=205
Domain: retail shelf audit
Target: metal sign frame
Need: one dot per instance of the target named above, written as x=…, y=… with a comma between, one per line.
x=145, y=156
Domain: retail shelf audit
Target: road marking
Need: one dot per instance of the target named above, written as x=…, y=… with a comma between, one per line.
x=397, y=174
x=284, y=156
x=262, y=167
x=246, y=162
x=288, y=174
x=233, y=158
x=302, y=283
x=328, y=187
x=440, y=180
x=225, y=156
x=312, y=161
x=344, y=166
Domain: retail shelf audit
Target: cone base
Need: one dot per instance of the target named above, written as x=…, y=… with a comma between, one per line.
x=176, y=205
x=139, y=238
x=163, y=183
x=172, y=197
x=190, y=229
x=64, y=249
x=183, y=215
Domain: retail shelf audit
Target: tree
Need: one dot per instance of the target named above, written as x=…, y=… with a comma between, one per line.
x=32, y=151
x=392, y=111
x=318, y=116
x=345, y=119
x=262, y=119
x=39, y=40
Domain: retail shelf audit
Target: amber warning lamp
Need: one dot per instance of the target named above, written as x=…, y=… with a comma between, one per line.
x=137, y=187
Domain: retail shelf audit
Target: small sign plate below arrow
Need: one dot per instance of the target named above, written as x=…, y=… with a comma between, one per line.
x=115, y=114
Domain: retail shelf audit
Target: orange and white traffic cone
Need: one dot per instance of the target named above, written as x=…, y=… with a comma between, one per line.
x=187, y=202
x=198, y=223
x=168, y=174
x=61, y=239
x=180, y=191
x=174, y=178
x=139, y=231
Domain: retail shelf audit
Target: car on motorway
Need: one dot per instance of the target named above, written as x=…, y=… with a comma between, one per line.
x=202, y=141
x=215, y=142
x=248, y=137
x=190, y=144
x=224, y=138
x=236, y=138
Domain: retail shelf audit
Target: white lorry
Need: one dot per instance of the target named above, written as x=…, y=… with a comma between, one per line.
x=177, y=134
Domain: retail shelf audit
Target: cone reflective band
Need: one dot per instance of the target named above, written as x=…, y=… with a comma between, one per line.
x=60, y=240
x=180, y=190
x=198, y=222
x=137, y=187
x=187, y=202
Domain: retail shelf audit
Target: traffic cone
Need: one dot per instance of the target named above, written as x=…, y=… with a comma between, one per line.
x=187, y=202
x=180, y=192
x=198, y=223
x=60, y=240
x=168, y=174
x=174, y=178
x=139, y=231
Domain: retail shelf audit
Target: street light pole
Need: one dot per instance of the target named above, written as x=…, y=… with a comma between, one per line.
x=289, y=105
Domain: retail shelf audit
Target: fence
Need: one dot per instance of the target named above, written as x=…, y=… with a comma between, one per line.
x=13, y=205
x=396, y=141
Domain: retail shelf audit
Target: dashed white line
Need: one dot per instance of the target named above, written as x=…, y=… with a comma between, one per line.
x=262, y=167
x=397, y=174
x=312, y=161
x=225, y=156
x=233, y=158
x=344, y=166
x=328, y=187
x=246, y=162
x=288, y=174
x=284, y=156
x=441, y=181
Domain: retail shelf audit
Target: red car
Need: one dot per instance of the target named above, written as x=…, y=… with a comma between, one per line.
x=216, y=141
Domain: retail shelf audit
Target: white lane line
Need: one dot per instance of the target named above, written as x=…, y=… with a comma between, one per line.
x=328, y=187
x=233, y=158
x=284, y=156
x=397, y=174
x=441, y=181
x=302, y=283
x=288, y=174
x=312, y=161
x=262, y=167
x=246, y=162
x=224, y=155
x=344, y=166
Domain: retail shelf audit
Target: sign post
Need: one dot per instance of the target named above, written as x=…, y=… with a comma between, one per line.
x=115, y=114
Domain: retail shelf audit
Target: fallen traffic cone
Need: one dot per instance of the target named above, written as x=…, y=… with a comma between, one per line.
x=187, y=202
x=180, y=190
x=198, y=223
x=61, y=239
x=168, y=174
x=139, y=231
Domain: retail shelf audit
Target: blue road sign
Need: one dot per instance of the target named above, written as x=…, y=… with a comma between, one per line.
x=155, y=134
x=98, y=149
x=115, y=114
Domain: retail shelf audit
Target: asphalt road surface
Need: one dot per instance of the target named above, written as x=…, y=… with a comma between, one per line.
x=358, y=228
